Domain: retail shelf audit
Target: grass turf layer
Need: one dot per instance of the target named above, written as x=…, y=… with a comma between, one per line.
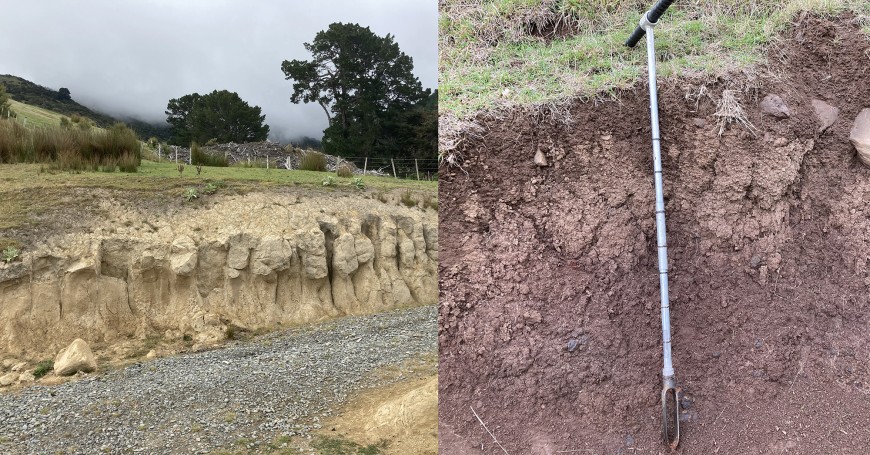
x=524, y=52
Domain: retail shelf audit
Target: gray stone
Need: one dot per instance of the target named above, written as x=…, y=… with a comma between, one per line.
x=76, y=357
x=8, y=379
x=775, y=106
x=540, y=158
x=755, y=262
x=825, y=114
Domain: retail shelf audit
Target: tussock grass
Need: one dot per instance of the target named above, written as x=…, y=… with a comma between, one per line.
x=525, y=52
x=344, y=170
x=313, y=161
x=67, y=148
x=205, y=159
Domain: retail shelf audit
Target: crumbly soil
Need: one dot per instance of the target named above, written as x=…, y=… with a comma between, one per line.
x=768, y=247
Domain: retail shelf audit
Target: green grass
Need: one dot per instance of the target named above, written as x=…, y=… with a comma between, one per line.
x=36, y=116
x=341, y=446
x=27, y=191
x=489, y=57
x=42, y=368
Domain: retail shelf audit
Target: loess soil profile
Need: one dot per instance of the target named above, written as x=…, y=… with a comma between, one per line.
x=769, y=244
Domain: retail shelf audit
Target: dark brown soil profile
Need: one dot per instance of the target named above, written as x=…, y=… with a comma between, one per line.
x=769, y=243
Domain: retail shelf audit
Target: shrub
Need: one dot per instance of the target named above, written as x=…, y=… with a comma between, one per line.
x=313, y=161
x=190, y=194
x=210, y=188
x=10, y=254
x=197, y=156
x=42, y=368
x=329, y=181
x=344, y=170
x=358, y=183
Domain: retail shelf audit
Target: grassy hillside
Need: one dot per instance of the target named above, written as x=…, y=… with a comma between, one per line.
x=27, y=92
x=36, y=116
x=508, y=52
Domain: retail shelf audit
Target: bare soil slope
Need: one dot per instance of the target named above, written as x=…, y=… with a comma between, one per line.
x=768, y=242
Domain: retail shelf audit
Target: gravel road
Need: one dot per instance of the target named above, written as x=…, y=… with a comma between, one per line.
x=283, y=383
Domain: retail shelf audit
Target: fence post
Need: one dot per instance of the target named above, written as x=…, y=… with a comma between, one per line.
x=267, y=161
x=394, y=168
x=417, y=168
x=175, y=147
x=190, y=157
x=365, y=166
x=159, y=152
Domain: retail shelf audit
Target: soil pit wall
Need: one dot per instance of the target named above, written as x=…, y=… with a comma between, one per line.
x=255, y=261
x=768, y=247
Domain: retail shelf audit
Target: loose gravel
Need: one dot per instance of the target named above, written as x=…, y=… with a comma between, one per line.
x=284, y=383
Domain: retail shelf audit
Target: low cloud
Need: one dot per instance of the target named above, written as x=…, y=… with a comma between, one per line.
x=130, y=58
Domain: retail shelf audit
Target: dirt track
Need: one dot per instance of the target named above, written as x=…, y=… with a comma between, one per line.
x=768, y=242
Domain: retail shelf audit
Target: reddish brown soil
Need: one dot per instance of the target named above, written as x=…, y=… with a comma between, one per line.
x=769, y=242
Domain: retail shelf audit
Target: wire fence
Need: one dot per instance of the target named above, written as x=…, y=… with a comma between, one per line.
x=401, y=168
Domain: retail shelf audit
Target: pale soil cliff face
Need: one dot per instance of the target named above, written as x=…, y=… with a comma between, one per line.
x=254, y=261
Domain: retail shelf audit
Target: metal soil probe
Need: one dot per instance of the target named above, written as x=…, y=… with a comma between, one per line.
x=670, y=393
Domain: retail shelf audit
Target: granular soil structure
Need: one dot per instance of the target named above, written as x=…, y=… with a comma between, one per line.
x=549, y=306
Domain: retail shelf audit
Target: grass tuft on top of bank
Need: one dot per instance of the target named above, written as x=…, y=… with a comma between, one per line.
x=497, y=53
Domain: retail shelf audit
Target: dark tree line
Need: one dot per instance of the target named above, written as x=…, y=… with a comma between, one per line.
x=366, y=87
x=219, y=115
x=365, y=84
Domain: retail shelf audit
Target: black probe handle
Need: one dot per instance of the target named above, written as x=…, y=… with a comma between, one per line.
x=654, y=14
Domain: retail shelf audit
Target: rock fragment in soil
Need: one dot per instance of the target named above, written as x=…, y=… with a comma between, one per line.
x=860, y=136
x=774, y=105
x=572, y=345
x=540, y=158
x=8, y=379
x=825, y=114
x=755, y=262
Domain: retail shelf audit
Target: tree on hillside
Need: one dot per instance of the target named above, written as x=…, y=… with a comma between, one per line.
x=362, y=81
x=63, y=94
x=219, y=115
x=5, y=108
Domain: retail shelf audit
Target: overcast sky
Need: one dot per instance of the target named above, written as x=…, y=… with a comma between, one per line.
x=130, y=58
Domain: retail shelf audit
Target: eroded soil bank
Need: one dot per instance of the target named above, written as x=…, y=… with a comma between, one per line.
x=201, y=271
x=768, y=242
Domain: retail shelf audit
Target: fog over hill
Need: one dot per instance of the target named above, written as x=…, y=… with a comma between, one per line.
x=128, y=59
